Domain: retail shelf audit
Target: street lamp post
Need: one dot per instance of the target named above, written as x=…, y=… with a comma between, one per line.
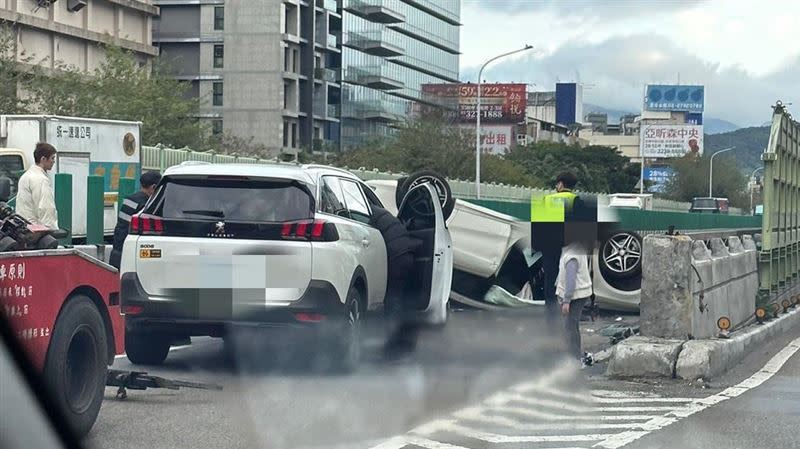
x=752, y=187
x=478, y=119
x=711, y=169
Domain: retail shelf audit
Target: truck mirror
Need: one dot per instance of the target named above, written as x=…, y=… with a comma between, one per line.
x=5, y=189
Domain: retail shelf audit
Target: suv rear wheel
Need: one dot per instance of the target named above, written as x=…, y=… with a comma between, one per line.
x=347, y=345
x=146, y=349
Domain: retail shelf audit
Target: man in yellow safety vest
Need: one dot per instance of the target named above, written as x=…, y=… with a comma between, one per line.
x=548, y=214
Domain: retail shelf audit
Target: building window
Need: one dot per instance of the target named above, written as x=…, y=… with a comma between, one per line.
x=296, y=61
x=285, y=134
x=285, y=95
x=294, y=135
x=217, y=97
x=286, y=56
x=219, y=17
x=216, y=127
x=219, y=56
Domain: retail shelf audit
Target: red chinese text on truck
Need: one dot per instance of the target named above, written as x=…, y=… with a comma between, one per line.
x=63, y=307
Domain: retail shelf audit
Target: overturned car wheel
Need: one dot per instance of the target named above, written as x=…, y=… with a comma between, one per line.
x=620, y=255
x=439, y=183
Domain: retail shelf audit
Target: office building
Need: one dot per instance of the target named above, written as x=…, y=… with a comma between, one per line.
x=69, y=32
x=266, y=69
x=390, y=49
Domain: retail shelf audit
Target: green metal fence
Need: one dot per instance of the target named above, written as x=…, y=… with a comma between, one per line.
x=779, y=259
x=642, y=220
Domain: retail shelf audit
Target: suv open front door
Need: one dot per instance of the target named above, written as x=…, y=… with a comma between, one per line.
x=421, y=213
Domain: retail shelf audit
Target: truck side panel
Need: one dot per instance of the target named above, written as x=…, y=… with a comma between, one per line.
x=35, y=285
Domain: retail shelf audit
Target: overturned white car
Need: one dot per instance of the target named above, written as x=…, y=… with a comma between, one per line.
x=493, y=264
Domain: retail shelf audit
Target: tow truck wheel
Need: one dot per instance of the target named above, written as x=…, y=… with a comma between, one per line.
x=146, y=349
x=76, y=364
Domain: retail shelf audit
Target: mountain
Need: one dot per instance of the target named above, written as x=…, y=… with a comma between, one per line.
x=718, y=126
x=711, y=125
x=613, y=114
x=749, y=143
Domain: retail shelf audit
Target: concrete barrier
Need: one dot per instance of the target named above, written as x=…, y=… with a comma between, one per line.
x=687, y=286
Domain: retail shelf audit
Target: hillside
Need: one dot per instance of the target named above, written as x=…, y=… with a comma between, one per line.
x=749, y=143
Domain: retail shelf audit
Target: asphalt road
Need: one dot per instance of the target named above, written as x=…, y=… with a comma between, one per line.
x=273, y=405
x=765, y=416
x=487, y=380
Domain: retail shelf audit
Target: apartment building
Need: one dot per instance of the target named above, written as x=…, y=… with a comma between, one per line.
x=309, y=74
x=265, y=69
x=69, y=31
x=391, y=48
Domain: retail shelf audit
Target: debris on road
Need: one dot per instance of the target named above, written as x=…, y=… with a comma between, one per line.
x=139, y=380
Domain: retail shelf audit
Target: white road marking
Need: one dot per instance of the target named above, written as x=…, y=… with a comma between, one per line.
x=574, y=412
x=505, y=398
x=538, y=414
x=769, y=370
x=174, y=348
x=489, y=437
x=481, y=415
x=598, y=397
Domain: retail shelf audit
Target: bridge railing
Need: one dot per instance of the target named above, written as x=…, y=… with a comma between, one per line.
x=779, y=259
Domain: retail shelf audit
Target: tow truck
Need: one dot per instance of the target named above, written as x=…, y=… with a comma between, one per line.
x=63, y=307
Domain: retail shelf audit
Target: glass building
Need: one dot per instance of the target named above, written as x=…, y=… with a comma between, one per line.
x=390, y=48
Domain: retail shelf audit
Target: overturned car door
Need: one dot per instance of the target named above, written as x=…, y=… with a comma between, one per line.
x=428, y=289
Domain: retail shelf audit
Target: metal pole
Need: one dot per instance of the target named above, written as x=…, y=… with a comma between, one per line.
x=753, y=188
x=641, y=174
x=711, y=169
x=478, y=119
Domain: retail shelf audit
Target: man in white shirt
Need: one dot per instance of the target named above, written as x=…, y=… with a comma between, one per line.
x=35, y=198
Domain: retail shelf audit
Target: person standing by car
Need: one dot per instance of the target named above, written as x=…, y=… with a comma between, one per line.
x=400, y=246
x=35, y=198
x=547, y=233
x=130, y=206
x=574, y=285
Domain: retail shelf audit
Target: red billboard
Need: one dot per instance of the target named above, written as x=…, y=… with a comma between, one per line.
x=500, y=103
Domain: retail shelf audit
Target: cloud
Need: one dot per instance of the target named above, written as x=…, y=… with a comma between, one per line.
x=616, y=70
x=584, y=9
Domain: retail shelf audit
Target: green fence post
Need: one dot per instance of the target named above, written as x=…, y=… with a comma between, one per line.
x=95, y=209
x=63, y=197
x=126, y=187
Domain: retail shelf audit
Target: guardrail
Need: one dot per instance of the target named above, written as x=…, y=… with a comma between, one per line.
x=779, y=258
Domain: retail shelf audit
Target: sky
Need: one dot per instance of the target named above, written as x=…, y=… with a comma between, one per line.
x=746, y=52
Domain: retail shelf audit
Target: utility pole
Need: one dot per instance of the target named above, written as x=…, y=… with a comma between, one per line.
x=478, y=119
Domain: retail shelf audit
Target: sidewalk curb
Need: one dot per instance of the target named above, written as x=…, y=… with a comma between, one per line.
x=709, y=358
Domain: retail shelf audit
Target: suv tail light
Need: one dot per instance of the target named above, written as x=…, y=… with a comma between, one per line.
x=146, y=225
x=313, y=230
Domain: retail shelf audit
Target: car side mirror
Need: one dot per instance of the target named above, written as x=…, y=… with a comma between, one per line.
x=5, y=189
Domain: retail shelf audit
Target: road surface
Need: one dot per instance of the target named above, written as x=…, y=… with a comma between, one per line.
x=488, y=380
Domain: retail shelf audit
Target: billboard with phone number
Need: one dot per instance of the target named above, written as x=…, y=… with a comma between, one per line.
x=670, y=141
x=500, y=103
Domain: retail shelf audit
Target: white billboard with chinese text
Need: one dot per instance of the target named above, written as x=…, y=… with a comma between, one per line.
x=495, y=139
x=670, y=141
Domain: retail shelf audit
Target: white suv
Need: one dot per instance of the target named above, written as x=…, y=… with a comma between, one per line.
x=271, y=245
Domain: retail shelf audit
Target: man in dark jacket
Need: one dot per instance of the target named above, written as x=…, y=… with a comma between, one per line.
x=131, y=206
x=400, y=247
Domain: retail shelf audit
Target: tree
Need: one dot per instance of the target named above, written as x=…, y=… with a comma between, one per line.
x=598, y=168
x=433, y=143
x=12, y=73
x=690, y=180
